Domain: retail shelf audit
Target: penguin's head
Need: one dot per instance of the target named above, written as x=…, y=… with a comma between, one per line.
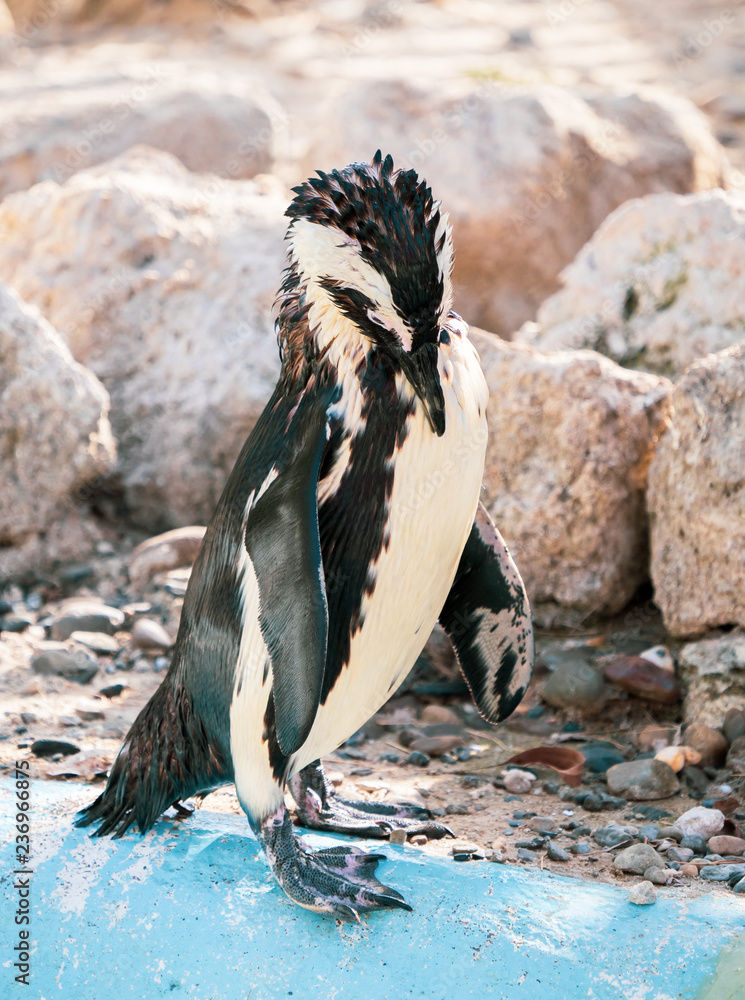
x=372, y=243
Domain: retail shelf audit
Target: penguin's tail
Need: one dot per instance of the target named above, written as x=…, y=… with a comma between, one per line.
x=167, y=756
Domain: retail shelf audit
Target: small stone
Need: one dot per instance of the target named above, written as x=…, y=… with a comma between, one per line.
x=551, y=787
x=610, y=835
x=734, y=724
x=142, y=666
x=164, y=552
x=592, y=803
x=75, y=665
x=48, y=748
x=649, y=831
x=691, y=871
x=721, y=873
x=435, y=746
x=28, y=718
x=397, y=837
x=694, y=843
x=432, y=715
x=457, y=809
x=99, y=642
x=643, y=679
x=736, y=755
x=556, y=853
x=524, y=854
x=86, y=616
x=16, y=622
x=390, y=758
x=642, y=779
x=722, y=844
x=642, y=894
x=580, y=848
x=518, y=781
x=418, y=839
x=543, y=824
x=739, y=886
x=459, y=846
x=680, y=854
x=696, y=780
x=660, y=656
x=671, y=833
x=678, y=757
x=600, y=756
x=534, y=844
x=160, y=663
x=469, y=781
x=90, y=714
x=70, y=721
x=710, y=743
x=636, y=859
x=703, y=822
x=658, y=875
x=655, y=737
x=418, y=759
x=577, y=685
x=149, y=634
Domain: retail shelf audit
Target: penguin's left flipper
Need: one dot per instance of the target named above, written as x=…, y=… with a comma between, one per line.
x=318, y=808
x=283, y=541
x=487, y=618
x=339, y=880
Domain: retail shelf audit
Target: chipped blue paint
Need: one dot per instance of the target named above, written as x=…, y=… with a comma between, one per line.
x=191, y=910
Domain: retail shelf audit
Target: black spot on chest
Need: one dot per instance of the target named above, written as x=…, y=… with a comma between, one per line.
x=352, y=520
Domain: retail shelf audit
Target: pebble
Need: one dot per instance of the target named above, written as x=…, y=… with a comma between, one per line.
x=556, y=853
x=719, y=844
x=696, y=780
x=710, y=743
x=435, y=746
x=670, y=833
x=418, y=759
x=650, y=831
x=164, y=552
x=678, y=757
x=543, y=824
x=86, y=616
x=654, y=737
x=113, y=691
x=736, y=755
x=69, y=721
x=160, y=663
x=691, y=871
x=694, y=843
x=459, y=846
x=610, y=835
x=581, y=848
x=719, y=873
x=16, y=622
x=432, y=715
x=734, y=724
x=600, y=756
x=149, y=634
x=680, y=854
x=701, y=821
x=592, y=803
x=28, y=718
x=518, y=781
x=575, y=684
x=739, y=886
x=74, y=666
x=643, y=679
x=636, y=859
x=658, y=875
x=642, y=779
x=48, y=748
x=99, y=642
x=524, y=854
x=390, y=758
x=469, y=781
x=642, y=894
x=534, y=844
x=397, y=837
x=419, y=840
x=457, y=809
x=660, y=656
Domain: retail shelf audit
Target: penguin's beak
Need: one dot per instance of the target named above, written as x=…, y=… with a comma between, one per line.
x=421, y=369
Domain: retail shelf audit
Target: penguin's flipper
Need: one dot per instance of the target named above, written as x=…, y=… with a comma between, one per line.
x=487, y=618
x=282, y=539
x=320, y=809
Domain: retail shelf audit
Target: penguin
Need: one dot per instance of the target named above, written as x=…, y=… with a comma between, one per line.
x=350, y=525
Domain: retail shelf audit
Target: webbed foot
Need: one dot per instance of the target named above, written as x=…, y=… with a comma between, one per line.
x=319, y=808
x=338, y=880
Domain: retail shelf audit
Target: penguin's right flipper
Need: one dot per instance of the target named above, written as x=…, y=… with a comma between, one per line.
x=487, y=618
x=282, y=539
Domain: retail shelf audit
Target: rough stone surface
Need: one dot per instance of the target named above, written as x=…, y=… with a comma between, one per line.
x=211, y=122
x=164, y=552
x=714, y=672
x=536, y=171
x=642, y=894
x=660, y=284
x=642, y=779
x=168, y=299
x=701, y=822
x=696, y=499
x=570, y=438
x=635, y=860
x=55, y=437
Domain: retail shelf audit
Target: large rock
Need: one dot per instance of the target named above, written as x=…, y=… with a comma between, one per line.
x=714, y=673
x=55, y=439
x=570, y=438
x=527, y=176
x=208, y=121
x=162, y=282
x=661, y=283
x=696, y=499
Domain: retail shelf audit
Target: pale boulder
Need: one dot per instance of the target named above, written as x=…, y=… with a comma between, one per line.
x=660, y=284
x=570, y=439
x=526, y=175
x=696, y=499
x=162, y=282
x=714, y=674
x=55, y=441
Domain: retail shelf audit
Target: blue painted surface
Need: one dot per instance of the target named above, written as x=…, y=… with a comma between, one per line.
x=191, y=910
